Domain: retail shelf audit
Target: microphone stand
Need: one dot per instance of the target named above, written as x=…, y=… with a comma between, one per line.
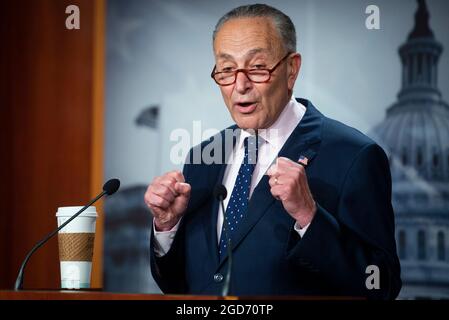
x=19, y=281
x=225, y=290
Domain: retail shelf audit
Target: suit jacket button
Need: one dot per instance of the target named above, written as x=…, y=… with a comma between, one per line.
x=218, y=277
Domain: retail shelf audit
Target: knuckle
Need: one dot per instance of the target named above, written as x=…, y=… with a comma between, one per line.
x=164, y=189
x=151, y=202
x=155, y=180
x=149, y=189
x=169, y=181
x=159, y=201
x=146, y=198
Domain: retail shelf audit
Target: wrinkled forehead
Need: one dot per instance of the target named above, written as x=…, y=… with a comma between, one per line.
x=243, y=37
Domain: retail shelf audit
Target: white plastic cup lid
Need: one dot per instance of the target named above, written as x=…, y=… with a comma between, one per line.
x=70, y=211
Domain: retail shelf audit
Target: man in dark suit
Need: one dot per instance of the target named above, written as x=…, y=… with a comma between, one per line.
x=308, y=210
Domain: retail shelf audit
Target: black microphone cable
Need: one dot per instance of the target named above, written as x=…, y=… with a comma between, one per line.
x=221, y=193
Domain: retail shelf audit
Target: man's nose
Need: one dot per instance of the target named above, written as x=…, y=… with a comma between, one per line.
x=242, y=83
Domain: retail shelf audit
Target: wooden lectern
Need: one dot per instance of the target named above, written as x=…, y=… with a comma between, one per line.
x=96, y=295
x=100, y=295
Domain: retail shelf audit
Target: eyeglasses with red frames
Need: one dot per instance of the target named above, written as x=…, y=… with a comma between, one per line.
x=262, y=75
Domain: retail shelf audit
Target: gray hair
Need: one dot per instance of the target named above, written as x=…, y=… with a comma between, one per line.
x=282, y=22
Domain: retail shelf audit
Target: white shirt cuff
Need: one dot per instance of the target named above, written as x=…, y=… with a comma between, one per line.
x=164, y=239
x=301, y=231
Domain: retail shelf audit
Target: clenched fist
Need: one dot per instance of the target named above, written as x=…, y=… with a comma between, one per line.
x=167, y=196
x=288, y=182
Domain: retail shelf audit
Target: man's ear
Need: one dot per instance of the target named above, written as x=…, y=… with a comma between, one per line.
x=294, y=65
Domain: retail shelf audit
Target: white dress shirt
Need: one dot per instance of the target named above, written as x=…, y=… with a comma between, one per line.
x=271, y=141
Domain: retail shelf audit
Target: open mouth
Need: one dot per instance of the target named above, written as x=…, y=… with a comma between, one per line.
x=246, y=107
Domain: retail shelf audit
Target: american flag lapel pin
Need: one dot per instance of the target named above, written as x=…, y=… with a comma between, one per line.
x=303, y=160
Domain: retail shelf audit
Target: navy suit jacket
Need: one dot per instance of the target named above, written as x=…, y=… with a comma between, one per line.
x=349, y=177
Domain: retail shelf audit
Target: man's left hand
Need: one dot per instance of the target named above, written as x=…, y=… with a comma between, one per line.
x=288, y=182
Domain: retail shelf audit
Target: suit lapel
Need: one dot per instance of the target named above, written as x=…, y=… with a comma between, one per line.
x=304, y=140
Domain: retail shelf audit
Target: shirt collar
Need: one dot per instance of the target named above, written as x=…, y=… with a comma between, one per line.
x=280, y=130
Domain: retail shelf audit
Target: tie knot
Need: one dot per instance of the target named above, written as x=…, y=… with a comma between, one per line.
x=251, y=148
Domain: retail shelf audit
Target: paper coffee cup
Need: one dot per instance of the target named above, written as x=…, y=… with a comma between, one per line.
x=76, y=244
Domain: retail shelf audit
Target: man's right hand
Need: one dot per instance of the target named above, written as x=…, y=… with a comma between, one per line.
x=167, y=196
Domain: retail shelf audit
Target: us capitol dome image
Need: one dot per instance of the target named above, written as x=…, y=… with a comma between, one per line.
x=415, y=136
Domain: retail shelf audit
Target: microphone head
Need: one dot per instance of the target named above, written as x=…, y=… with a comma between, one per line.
x=111, y=186
x=220, y=192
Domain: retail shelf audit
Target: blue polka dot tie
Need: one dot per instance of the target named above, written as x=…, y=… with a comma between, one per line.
x=238, y=203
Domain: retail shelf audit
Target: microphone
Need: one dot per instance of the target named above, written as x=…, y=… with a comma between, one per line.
x=109, y=188
x=220, y=193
